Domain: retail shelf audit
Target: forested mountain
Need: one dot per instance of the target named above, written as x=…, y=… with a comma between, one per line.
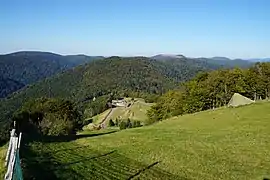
x=164, y=57
x=218, y=58
x=138, y=76
x=29, y=66
x=213, y=89
x=225, y=62
x=186, y=68
x=8, y=86
x=211, y=63
x=75, y=60
x=259, y=60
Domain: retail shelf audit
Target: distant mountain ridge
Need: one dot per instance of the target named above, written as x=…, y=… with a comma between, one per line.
x=214, y=61
x=167, y=56
x=221, y=58
x=27, y=67
x=238, y=59
x=259, y=60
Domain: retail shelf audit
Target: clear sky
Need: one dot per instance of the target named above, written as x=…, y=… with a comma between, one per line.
x=194, y=28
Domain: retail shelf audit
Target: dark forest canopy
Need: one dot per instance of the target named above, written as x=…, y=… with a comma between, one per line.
x=213, y=89
x=27, y=67
x=8, y=86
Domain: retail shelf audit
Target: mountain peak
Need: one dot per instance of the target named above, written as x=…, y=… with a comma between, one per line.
x=33, y=53
x=168, y=56
x=219, y=58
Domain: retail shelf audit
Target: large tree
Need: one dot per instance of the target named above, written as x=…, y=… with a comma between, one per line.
x=48, y=117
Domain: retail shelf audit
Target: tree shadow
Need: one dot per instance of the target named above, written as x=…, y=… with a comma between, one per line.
x=66, y=138
x=69, y=161
x=142, y=170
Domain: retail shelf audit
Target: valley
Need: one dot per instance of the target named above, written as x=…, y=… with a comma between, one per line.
x=134, y=90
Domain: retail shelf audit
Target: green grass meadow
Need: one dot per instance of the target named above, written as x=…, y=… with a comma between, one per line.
x=227, y=143
x=3, y=151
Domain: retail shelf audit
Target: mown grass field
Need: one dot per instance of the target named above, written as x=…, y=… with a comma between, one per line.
x=231, y=143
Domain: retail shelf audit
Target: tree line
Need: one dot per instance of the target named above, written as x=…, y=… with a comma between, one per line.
x=212, y=90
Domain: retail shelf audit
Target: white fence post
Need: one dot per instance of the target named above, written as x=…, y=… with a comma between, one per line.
x=12, y=134
x=14, y=145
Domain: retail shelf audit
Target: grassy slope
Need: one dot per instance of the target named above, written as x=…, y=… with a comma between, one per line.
x=220, y=144
x=3, y=151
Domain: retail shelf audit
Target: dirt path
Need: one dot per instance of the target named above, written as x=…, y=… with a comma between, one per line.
x=102, y=123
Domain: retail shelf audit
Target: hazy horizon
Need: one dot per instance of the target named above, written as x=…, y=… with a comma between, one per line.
x=194, y=28
x=166, y=54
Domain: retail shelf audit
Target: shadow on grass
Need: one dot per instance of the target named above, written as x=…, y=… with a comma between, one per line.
x=64, y=138
x=49, y=139
x=69, y=161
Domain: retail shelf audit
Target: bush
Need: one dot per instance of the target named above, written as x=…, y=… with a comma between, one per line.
x=128, y=123
x=122, y=125
x=111, y=123
x=150, y=121
x=136, y=124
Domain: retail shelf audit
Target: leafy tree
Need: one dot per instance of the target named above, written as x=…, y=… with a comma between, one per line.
x=136, y=124
x=48, y=117
x=128, y=123
x=111, y=123
x=122, y=125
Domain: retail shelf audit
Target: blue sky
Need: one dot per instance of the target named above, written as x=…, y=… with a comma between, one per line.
x=195, y=28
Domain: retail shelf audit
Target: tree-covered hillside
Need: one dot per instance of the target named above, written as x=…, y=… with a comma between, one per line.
x=202, y=63
x=30, y=67
x=225, y=62
x=137, y=77
x=8, y=86
x=184, y=69
x=213, y=89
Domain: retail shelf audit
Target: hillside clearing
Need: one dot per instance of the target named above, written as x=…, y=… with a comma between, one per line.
x=135, y=112
x=221, y=144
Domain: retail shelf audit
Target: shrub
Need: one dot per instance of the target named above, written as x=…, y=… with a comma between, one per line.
x=111, y=123
x=150, y=121
x=128, y=123
x=136, y=124
x=122, y=125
